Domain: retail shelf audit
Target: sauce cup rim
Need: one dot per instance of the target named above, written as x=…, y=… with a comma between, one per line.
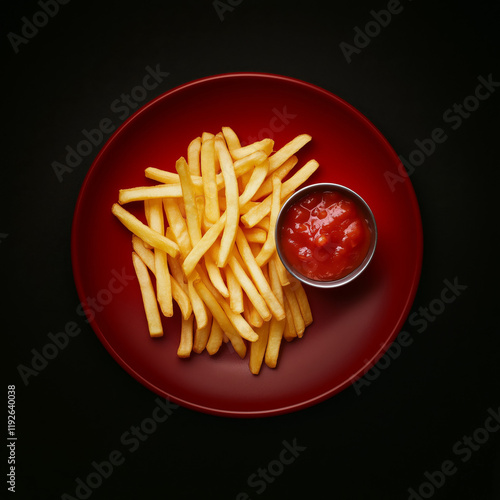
x=324, y=187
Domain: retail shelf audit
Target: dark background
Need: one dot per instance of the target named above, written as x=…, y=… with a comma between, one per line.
x=374, y=445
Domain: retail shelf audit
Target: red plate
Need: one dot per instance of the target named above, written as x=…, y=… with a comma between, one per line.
x=353, y=325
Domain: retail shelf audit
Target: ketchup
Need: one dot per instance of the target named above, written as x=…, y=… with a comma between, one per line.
x=325, y=236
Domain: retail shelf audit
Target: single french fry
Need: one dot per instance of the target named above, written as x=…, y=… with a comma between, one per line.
x=254, y=318
x=265, y=145
x=215, y=339
x=255, y=234
x=178, y=224
x=232, y=210
x=255, y=247
x=163, y=283
x=247, y=307
x=163, y=176
x=199, y=250
x=186, y=341
x=256, y=213
x=170, y=235
x=148, y=297
x=193, y=154
x=198, y=306
x=200, y=206
x=182, y=208
x=283, y=274
x=262, y=224
x=298, y=320
x=206, y=136
x=276, y=327
x=149, y=193
x=300, y=294
x=182, y=298
x=274, y=281
x=254, y=182
x=281, y=172
x=147, y=211
x=235, y=291
x=208, y=173
x=258, y=277
x=176, y=271
x=144, y=232
x=146, y=254
x=215, y=275
x=189, y=197
x=290, y=332
x=258, y=348
x=201, y=335
x=242, y=183
x=278, y=158
x=243, y=208
x=269, y=246
x=245, y=164
x=231, y=138
x=162, y=273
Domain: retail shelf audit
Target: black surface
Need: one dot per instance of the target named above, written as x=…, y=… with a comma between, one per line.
x=416, y=413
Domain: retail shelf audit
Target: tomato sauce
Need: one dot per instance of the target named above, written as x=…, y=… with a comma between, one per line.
x=324, y=236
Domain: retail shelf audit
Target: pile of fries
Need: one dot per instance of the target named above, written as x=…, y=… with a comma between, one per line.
x=209, y=243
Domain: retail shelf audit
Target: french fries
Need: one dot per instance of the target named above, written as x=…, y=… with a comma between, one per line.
x=208, y=246
x=259, y=211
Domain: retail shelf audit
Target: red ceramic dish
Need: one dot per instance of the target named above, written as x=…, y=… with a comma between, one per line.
x=353, y=326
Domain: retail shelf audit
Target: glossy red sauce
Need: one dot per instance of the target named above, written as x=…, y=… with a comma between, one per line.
x=324, y=236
